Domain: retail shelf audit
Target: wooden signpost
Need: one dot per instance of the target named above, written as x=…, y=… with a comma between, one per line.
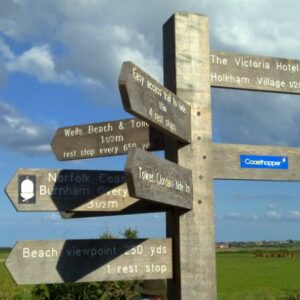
x=183, y=188
x=190, y=69
x=186, y=73
x=147, y=99
x=35, y=262
x=158, y=180
x=105, y=139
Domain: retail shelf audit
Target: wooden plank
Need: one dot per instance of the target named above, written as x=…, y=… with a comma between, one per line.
x=140, y=207
x=70, y=190
x=155, y=179
x=187, y=73
x=253, y=72
x=227, y=162
x=147, y=99
x=105, y=139
x=35, y=262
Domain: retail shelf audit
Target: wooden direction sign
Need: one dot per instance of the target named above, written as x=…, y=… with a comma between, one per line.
x=69, y=190
x=105, y=139
x=251, y=72
x=152, y=178
x=147, y=99
x=263, y=162
x=35, y=262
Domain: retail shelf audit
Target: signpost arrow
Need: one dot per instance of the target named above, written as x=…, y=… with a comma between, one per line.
x=35, y=262
x=251, y=72
x=147, y=99
x=251, y=162
x=152, y=178
x=105, y=139
x=69, y=190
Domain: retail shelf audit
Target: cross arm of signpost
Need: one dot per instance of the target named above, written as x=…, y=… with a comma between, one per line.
x=158, y=180
x=255, y=162
x=254, y=72
x=105, y=139
x=36, y=262
x=148, y=100
x=82, y=193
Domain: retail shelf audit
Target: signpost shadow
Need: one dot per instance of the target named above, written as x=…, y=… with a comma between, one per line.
x=139, y=207
x=79, y=259
x=90, y=191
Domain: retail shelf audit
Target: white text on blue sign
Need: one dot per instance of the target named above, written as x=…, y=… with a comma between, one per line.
x=264, y=162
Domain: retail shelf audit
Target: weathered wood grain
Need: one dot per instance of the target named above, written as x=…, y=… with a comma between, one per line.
x=147, y=99
x=35, y=262
x=139, y=207
x=253, y=72
x=152, y=178
x=105, y=139
x=226, y=162
x=71, y=190
x=187, y=73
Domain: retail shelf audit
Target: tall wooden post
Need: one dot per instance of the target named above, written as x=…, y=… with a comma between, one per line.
x=187, y=73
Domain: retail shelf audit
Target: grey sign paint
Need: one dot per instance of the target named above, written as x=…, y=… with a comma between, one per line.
x=147, y=99
x=253, y=72
x=35, y=262
x=105, y=139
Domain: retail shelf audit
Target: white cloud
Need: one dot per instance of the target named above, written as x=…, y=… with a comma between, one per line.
x=5, y=50
x=265, y=197
x=238, y=216
x=256, y=118
x=249, y=27
x=273, y=215
x=95, y=40
x=294, y=215
x=3, y=72
x=97, y=36
x=19, y=133
x=38, y=61
x=271, y=206
x=151, y=66
x=52, y=217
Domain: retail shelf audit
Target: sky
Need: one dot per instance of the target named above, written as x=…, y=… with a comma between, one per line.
x=59, y=66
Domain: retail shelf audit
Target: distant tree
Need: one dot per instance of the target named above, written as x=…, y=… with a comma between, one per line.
x=130, y=233
x=107, y=236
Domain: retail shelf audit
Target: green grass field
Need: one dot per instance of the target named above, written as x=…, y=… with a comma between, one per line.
x=240, y=277
x=9, y=290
